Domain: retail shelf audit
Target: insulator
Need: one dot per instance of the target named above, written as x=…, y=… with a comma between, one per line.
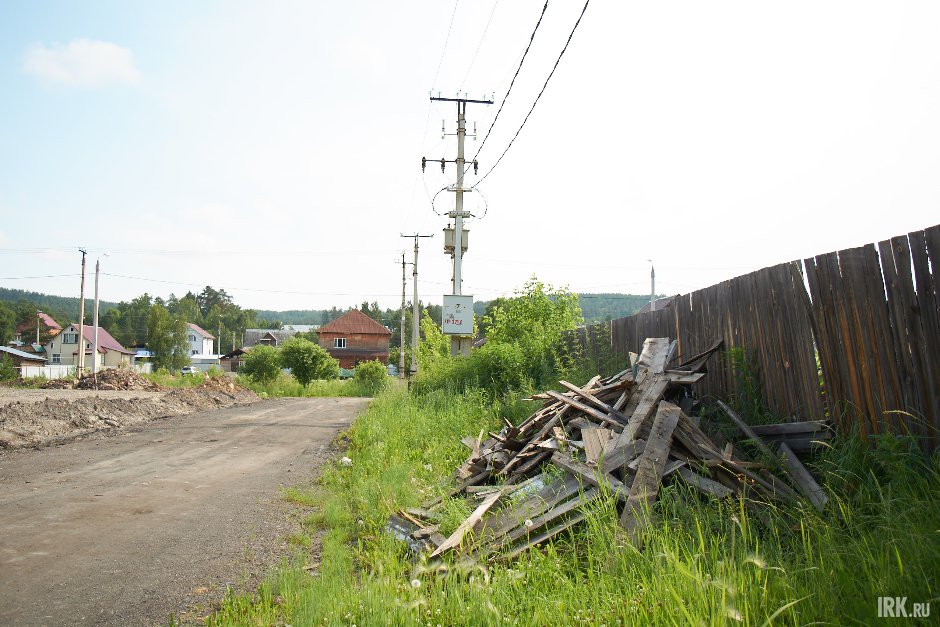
x=476, y=167
x=442, y=165
x=424, y=162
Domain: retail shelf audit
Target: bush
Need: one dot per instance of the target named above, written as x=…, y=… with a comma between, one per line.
x=308, y=361
x=262, y=364
x=498, y=368
x=8, y=370
x=371, y=376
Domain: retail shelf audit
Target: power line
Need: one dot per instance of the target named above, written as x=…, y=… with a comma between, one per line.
x=446, y=40
x=38, y=276
x=508, y=91
x=479, y=45
x=537, y=98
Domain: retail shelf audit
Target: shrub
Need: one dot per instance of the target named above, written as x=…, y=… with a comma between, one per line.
x=8, y=371
x=371, y=376
x=308, y=361
x=262, y=364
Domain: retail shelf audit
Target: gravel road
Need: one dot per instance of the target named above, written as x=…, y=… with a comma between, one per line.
x=129, y=528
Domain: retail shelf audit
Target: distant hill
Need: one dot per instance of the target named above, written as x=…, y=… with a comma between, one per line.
x=66, y=306
x=596, y=307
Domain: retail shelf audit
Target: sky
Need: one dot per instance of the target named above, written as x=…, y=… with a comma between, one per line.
x=273, y=148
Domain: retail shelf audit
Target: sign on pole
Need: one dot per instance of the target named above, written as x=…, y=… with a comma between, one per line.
x=458, y=315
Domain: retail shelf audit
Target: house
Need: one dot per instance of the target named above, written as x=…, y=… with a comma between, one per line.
x=22, y=358
x=355, y=337
x=201, y=342
x=64, y=347
x=26, y=331
x=661, y=303
x=233, y=360
x=267, y=337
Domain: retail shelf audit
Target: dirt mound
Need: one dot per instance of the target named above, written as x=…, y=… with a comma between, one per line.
x=55, y=420
x=116, y=379
x=59, y=384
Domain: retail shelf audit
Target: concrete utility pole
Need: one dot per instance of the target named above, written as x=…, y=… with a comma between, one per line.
x=459, y=345
x=81, y=320
x=401, y=352
x=414, y=306
x=38, y=318
x=652, y=286
x=94, y=351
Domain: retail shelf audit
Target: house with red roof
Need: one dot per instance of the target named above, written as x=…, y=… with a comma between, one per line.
x=353, y=338
x=26, y=331
x=64, y=347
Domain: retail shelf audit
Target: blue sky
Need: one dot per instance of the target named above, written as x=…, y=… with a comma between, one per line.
x=273, y=148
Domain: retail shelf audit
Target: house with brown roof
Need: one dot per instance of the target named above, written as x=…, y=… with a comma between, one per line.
x=64, y=347
x=27, y=331
x=200, y=340
x=353, y=338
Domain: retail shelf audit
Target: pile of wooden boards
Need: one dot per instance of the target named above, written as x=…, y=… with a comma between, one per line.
x=627, y=434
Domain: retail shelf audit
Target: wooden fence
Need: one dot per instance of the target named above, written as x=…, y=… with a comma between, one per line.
x=871, y=315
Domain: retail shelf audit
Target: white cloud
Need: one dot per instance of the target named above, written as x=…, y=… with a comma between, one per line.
x=82, y=63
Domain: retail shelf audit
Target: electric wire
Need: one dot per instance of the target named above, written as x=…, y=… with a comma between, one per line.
x=537, y=98
x=479, y=45
x=513, y=82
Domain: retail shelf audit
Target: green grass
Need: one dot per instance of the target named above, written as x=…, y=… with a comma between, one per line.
x=703, y=562
x=164, y=378
x=286, y=385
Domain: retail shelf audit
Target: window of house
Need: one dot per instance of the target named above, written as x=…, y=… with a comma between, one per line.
x=70, y=338
x=194, y=352
x=56, y=358
x=339, y=342
x=192, y=338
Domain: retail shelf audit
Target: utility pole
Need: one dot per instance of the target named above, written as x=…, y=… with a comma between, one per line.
x=81, y=320
x=38, y=317
x=94, y=352
x=414, y=306
x=220, y=336
x=458, y=345
x=652, y=286
x=401, y=352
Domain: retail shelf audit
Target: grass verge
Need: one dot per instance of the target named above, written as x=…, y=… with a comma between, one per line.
x=703, y=562
x=286, y=385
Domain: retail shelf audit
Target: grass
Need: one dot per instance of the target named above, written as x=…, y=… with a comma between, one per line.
x=703, y=562
x=286, y=385
x=166, y=379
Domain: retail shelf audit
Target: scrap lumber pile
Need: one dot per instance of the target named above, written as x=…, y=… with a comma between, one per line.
x=628, y=434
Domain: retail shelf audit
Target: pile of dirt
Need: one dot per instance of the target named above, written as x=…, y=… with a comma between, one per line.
x=55, y=420
x=116, y=379
x=59, y=384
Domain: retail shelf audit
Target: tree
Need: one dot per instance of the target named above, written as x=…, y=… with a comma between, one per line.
x=209, y=298
x=308, y=361
x=8, y=370
x=166, y=337
x=433, y=344
x=7, y=324
x=262, y=364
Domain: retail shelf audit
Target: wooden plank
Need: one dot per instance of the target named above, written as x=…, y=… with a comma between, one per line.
x=645, y=407
x=587, y=474
x=525, y=506
x=546, y=535
x=803, y=478
x=746, y=428
x=457, y=537
x=650, y=470
x=590, y=411
x=594, y=442
x=785, y=428
x=559, y=510
x=704, y=484
x=593, y=400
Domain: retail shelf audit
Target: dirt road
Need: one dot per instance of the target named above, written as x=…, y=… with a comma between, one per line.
x=128, y=528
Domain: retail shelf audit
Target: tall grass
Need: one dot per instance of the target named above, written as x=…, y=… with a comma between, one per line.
x=703, y=561
x=286, y=385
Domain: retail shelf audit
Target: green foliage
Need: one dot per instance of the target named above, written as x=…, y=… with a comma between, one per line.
x=287, y=386
x=371, y=377
x=8, y=370
x=62, y=308
x=704, y=561
x=7, y=324
x=262, y=364
x=434, y=346
x=166, y=337
x=308, y=361
x=164, y=378
x=534, y=320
